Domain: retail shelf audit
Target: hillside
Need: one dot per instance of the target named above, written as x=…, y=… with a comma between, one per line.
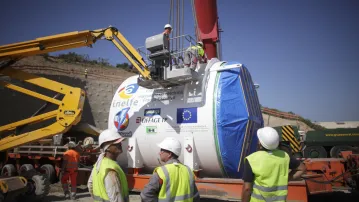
x=102, y=82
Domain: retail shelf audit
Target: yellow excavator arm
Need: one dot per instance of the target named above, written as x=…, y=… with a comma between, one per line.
x=70, y=107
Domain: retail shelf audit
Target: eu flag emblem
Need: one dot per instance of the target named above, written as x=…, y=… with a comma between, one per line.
x=187, y=115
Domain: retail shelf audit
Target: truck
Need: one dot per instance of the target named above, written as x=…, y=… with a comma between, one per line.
x=327, y=143
x=330, y=142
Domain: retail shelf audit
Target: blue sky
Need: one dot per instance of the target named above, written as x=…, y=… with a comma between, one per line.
x=304, y=54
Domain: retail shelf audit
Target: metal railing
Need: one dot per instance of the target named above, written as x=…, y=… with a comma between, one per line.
x=175, y=53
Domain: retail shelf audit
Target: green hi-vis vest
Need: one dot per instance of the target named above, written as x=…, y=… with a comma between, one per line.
x=178, y=183
x=99, y=190
x=199, y=49
x=270, y=170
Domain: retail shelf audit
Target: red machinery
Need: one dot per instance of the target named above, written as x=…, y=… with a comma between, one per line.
x=207, y=26
x=328, y=174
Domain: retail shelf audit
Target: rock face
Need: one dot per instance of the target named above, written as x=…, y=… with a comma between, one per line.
x=277, y=121
x=100, y=85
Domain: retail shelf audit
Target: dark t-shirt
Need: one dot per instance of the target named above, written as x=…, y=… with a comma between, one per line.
x=248, y=175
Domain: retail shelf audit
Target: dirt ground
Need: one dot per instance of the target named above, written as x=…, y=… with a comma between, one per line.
x=83, y=195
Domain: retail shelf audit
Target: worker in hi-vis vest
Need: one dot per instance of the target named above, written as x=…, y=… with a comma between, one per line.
x=70, y=165
x=108, y=181
x=173, y=181
x=266, y=172
x=193, y=54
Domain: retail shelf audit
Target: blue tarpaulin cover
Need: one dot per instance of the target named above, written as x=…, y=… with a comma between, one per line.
x=234, y=93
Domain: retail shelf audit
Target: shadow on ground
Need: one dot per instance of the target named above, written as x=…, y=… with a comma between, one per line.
x=334, y=197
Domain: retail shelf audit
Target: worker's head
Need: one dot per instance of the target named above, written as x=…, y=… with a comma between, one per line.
x=71, y=145
x=111, y=143
x=200, y=43
x=268, y=138
x=170, y=149
x=168, y=28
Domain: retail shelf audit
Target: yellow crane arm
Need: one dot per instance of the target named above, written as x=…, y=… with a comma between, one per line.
x=70, y=107
x=68, y=113
x=75, y=40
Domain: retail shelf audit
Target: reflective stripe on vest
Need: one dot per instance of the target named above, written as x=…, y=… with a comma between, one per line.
x=166, y=187
x=271, y=171
x=98, y=179
x=267, y=199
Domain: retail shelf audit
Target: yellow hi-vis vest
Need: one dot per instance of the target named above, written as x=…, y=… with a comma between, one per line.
x=99, y=190
x=199, y=49
x=270, y=170
x=178, y=183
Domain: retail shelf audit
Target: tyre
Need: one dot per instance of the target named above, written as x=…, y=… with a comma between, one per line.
x=25, y=168
x=8, y=170
x=335, y=151
x=38, y=186
x=315, y=152
x=49, y=172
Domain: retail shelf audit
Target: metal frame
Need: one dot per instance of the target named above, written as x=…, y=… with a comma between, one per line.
x=218, y=188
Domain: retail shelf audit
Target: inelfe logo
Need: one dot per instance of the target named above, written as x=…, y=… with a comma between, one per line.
x=128, y=91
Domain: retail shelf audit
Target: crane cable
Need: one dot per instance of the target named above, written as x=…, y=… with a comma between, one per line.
x=182, y=24
x=177, y=23
x=176, y=19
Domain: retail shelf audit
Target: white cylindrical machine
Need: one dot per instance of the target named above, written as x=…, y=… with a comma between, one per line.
x=217, y=127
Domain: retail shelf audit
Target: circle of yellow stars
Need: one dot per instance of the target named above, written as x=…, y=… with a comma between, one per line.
x=190, y=115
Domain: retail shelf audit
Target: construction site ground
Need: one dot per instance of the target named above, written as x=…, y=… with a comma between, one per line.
x=56, y=194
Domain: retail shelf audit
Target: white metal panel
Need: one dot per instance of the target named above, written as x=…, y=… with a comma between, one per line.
x=150, y=130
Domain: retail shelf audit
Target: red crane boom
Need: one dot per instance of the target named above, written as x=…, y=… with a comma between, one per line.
x=207, y=26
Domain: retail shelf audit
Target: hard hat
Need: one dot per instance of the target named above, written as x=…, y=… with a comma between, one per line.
x=109, y=135
x=200, y=43
x=268, y=137
x=71, y=144
x=171, y=144
x=168, y=26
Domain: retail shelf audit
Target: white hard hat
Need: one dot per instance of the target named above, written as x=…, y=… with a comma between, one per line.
x=171, y=144
x=168, y=26
x=109, y=135
x=200, y=43
x=268, y=137
x=71, y=144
